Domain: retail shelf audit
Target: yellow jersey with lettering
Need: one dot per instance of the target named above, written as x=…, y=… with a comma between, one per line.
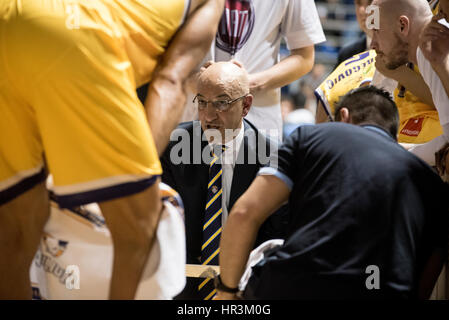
x=67, y=91
x=350, y=74
x=418, y=122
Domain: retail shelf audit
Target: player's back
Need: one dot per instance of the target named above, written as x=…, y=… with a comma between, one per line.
x=142, y=28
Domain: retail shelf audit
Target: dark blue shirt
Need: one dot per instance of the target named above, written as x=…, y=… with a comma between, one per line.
x=358, y=199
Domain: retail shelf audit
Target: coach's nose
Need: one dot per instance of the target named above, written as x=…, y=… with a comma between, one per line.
x=210, y=112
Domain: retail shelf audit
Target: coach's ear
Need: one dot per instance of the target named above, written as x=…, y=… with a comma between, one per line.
x=344, y=115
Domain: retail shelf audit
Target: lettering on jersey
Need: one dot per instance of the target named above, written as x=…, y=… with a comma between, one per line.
x=413, y=127
x=49, y=265
x=45, y=258
x=54, y=246
x=85, y=213
x=236, y=25
x=357, y=58
x=330, y=83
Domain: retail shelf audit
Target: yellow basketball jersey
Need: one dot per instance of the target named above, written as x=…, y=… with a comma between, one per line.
x=350, y=74
x=147, y=27
x=69, y=71
x=419, y=122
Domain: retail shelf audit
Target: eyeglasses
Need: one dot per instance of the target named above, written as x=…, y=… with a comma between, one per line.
x=219, y=105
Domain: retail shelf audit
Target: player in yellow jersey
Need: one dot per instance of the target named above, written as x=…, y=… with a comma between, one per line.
x=69, y=70
x=350, y=74
x=419, y=122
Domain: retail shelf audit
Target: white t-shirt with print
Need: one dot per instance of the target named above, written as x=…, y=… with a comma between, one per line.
x=296, y=21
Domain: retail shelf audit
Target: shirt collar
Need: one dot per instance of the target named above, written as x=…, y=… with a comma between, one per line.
x=378, y=129
x=232, y=146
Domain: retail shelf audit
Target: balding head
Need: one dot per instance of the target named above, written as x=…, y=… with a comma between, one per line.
x=393, y=9
x=228, y=76
x=401, y=22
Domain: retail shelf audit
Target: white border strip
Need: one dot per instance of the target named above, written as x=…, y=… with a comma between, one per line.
x=324, y=101
x=22, y=175
x=187, y=5
x=98, y=184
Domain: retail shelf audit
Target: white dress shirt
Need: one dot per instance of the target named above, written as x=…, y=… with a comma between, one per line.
x=229, y=157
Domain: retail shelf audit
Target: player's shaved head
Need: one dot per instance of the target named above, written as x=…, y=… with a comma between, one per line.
x=403, y=6
x=391, y=10
x=400, y=24
x=232, y=78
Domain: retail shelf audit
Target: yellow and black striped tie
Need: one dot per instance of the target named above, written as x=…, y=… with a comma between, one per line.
x=212, y=224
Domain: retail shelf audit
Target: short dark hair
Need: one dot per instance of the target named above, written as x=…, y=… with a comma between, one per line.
x=370, y=105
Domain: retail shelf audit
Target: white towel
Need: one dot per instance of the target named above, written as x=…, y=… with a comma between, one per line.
x=255, y=256
x=83, y=240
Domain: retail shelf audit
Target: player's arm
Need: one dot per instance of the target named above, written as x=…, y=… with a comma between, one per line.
x=409, y=79
x=166, y=95
x=298, y=63
x=434, y=43
x=242, y=226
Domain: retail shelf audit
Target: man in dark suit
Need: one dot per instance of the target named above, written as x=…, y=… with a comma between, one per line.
x=223, y=100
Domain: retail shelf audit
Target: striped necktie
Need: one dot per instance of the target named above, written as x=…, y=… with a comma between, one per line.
x=212, y=224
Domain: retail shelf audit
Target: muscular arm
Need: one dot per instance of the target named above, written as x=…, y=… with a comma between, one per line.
x=409, y=79
x=415, y=83
x=298, y=63
x=244, y=221
x=166, y=96
x=434, y=44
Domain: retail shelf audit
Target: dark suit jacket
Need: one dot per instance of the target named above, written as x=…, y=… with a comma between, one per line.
x=351, y=49
x=190, y=178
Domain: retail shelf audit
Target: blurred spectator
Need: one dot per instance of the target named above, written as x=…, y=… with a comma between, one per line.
x=294, y=115
x=304, y=95
x=287, y=106
x=362, y=43
x=316, y=76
